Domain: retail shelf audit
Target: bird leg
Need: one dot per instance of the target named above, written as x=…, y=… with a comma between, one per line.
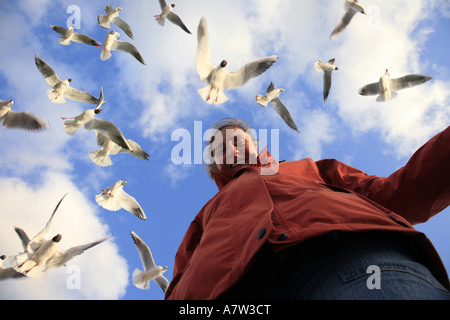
x=108, y=193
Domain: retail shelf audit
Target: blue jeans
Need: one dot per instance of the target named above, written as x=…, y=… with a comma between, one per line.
x=368, y=268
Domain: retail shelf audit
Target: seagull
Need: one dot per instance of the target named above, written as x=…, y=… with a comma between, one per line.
x=351, y=8
x=110, y=130
x=217, y=77
x=71, y=127
x=327, y=69
x=61, y=89
x=112, y=16
x=272, y=96
x=68, y=35
x=141, y=279
x=49, y=256
x=115, y=198
x=8, y=272
x=19, y=120
x=102, y=158
x=170, y=15
x=32, y=245
x=386, y=87
x=112, y=42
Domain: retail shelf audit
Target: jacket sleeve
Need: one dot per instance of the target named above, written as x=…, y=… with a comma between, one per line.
x=417, y=191
x=187, y=247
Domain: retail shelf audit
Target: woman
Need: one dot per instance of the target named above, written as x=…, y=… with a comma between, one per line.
x=313, y=229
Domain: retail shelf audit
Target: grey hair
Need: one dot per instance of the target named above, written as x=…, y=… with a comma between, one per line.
x=211, y=166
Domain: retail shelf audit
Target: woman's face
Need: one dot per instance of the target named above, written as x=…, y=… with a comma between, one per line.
x=232, y=146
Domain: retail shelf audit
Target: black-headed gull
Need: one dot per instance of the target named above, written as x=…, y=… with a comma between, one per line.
x=102, y=158
x=112, y=16
x=19, y=120
x=112, y=42
x=168, y=14
x=32, y=245
x=74, y=123
x=386, y=87
x=218, y=77
x=141, y=279
x=115, y=198
x=68, y=35
x=351, y=8
x=8, y=272
x=49, y=256
x=272, y=96
x=61, y=89
x=327, y=69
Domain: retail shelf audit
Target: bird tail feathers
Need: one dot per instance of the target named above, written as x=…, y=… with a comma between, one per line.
x=71, y=129
x=139, y=281
x=107, y=202
x=161, y=21
x=55, y=97
x=64, y=41
x=100, y=160
x=105, y=55
x=386, y=96
x=318, y=66
x=212, y=96
x=261, y=101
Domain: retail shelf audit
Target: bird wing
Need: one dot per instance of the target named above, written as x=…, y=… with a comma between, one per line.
x=144, y=252
x=81, y=96
x=136, y=150
x=130, y=204
x=162, y=4
x=175, y=19
x=162, y=282
x=23, y=237
x=250, y=70
x=59, y=29
x=271, y=87
x=22, y=120
x=284, y=113
x=108, y=129
x=370, y=89
x=129, y=48
x=62, y=257
x=203, y=59
x=408, y=81
x=343, y=22
x=326, y=84
x=82, y=38
x=42, y=236
x=122, y=24
x=48, y=73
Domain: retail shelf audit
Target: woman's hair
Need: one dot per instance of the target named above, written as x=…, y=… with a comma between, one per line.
x=226, y=122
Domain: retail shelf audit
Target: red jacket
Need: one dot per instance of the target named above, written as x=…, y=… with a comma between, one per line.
x=303, y=200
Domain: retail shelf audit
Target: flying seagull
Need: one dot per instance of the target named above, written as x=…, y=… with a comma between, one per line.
x=61, y=89
x=32, y=245
x=112, y=16
x=386, y=87
x=170, y=15
x=327, y=69
x=49, y=256
x=102, y=158
x=19, y=120
x=141, y=279
x=112, y=42
x=217, y=77
x=68, y=35
x=71, y=127
x=272, y=96
x=351, y=8
x=115, y=198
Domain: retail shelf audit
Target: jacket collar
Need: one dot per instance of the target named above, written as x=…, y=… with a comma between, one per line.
x=265, y=163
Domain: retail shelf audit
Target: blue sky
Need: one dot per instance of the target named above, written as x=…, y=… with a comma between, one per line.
x=148, y=103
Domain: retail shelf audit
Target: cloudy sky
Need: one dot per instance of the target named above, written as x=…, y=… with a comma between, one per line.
x=152, y=103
